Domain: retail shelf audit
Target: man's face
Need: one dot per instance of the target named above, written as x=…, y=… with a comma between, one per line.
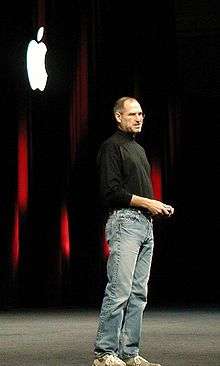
x=130, y=120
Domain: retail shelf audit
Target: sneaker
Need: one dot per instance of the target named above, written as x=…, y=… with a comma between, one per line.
x=139, y=361
x=108, y=360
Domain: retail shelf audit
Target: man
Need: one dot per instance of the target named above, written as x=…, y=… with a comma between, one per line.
x=126, y=192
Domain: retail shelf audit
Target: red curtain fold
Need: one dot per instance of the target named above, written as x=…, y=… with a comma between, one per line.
x=64, y=233
x=41, y=13
x=22, y=166
x=79, y=97
x=156, y=179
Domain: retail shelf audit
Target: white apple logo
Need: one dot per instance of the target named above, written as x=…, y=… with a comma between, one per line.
x=36, y=53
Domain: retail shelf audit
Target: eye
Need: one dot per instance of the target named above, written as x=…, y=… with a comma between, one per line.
x=140, y=114
x=132, y=114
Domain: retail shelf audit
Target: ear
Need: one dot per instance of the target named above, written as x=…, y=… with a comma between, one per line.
x=118, y=117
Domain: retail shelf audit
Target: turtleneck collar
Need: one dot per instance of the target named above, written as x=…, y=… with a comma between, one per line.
x=127, y=135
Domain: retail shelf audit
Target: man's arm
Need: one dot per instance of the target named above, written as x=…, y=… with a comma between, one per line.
x=155, y=207
x=110, y=177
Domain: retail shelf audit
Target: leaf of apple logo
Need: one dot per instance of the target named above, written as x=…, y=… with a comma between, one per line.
x=36, y=53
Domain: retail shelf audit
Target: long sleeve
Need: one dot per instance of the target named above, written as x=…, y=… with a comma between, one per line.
x=110, y=169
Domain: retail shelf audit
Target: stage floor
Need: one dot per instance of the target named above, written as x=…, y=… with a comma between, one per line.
x=66, y=337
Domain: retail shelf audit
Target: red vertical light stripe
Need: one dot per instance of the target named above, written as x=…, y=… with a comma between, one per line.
x=106, y=249
x=22, y=167
x=156, y=180
x=64, y=233
x=15, y=240
x=79, y=99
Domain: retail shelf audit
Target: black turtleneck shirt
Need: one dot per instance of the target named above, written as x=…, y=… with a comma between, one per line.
x=123, y=170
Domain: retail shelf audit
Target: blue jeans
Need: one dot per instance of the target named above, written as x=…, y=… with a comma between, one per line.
x=130, y=236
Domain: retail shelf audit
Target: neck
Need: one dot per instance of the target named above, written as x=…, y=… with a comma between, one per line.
x=127, y=132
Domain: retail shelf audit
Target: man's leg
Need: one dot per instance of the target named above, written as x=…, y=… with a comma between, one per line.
x=131, y=332
x=125, y=242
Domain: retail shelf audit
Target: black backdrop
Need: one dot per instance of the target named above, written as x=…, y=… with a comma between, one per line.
x=165, y=55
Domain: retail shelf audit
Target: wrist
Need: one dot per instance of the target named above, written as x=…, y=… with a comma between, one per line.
x=138, y=201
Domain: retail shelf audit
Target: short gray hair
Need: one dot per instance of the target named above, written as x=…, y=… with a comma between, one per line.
x=119, y=104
